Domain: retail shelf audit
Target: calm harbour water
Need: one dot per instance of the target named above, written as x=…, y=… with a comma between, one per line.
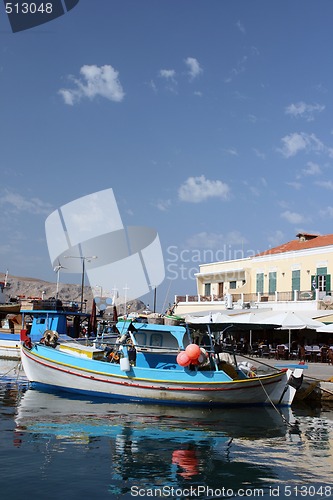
x=57, y=446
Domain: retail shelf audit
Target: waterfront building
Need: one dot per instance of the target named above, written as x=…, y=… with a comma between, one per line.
x=295, y=275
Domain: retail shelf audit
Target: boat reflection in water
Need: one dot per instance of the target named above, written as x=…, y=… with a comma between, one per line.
x=151, y=444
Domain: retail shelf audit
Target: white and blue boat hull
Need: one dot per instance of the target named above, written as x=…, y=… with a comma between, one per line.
x=50, y=367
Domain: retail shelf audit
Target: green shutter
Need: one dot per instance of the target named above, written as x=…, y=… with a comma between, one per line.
x=272, y=283
x=260, y=283
x=296, y=280
x=328, y=283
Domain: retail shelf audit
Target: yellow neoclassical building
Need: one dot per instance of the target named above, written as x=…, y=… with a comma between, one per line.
x=294, y=275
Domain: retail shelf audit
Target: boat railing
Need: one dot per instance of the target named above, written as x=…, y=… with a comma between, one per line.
x=140, y=347
x=150, y=348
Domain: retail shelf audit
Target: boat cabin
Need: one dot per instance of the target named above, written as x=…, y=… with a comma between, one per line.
x=156, y=346
x=63, y=321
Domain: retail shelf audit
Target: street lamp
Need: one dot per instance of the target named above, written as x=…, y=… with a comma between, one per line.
x=154, y=288
x=125, y=306
x=84, y=259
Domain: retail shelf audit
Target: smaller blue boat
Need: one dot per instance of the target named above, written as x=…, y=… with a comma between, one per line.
x=41, y=319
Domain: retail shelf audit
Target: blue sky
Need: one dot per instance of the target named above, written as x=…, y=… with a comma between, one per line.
x=211, y=121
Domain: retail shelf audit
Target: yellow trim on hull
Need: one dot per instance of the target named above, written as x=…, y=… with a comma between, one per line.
x=201, y=383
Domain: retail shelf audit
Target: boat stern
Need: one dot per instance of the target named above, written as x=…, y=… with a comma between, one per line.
x=284, y=393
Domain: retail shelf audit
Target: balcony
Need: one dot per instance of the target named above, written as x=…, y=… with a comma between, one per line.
x=293, y=300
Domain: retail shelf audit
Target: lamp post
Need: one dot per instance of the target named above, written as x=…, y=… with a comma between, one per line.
x=154, y=288
x=125, y=306
x=154, y=299
x=83, y=259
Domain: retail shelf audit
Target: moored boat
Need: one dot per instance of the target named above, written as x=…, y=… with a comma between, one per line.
x=36, y=318
x=156, y=364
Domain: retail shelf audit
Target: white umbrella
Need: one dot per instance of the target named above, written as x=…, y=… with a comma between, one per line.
x=251, y=318
x=215, y=318
x=325, y=328
x=290, y=320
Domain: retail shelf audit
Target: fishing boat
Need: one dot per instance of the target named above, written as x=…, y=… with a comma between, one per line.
x=156, y=364
x=40, y=318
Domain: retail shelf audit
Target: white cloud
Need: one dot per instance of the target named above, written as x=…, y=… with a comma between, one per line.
x=152, y=85
x=17, y=203
x=293, y=143
x=197, y=189
x=167, y=73
x=163, y=205
x=95, y=81
x=215, y=240
x=231, y=151
x=169, y=76
x=293, y=217
x=325, y=184
x=259, y=154
x=252, y=118
x=240, y=97
x=276, y=238
x=237, y=70
x=311, y=169
x=68, y=96
x=194, y=67
x=301, y=141
x=295, y=185
x=205, y=240
x=241, y=28
x=303, y=110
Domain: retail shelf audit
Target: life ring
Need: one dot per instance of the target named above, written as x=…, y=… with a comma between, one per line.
x=50, y=338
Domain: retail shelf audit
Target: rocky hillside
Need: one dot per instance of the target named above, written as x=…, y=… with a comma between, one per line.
x=35, y=288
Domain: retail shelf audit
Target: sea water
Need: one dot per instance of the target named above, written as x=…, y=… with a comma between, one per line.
x=56, y=446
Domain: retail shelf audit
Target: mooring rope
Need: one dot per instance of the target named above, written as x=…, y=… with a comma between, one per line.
x=274, y=406
x=11, y=369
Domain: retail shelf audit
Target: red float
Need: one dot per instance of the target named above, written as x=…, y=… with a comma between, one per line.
x=183, y=359
x=193, y=351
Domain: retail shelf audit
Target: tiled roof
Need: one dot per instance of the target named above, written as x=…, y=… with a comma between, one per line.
x=304, y=242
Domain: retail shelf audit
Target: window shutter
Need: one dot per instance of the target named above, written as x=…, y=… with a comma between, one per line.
x=260, y=283
x=272, y=283
x=328, y=283
x=296, y=280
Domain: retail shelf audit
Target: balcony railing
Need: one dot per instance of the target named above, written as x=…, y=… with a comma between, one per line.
x=249, y=298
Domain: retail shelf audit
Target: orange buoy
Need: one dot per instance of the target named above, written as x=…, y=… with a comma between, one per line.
x=183, y=359
x=193, y=351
